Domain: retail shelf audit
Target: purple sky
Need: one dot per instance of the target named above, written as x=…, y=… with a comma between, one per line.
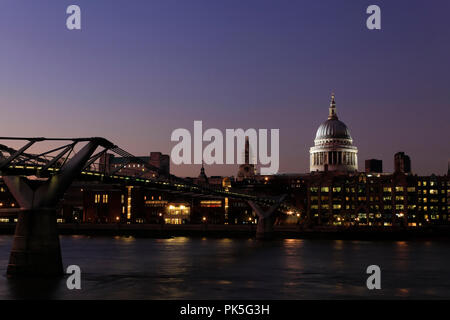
x=140, y=69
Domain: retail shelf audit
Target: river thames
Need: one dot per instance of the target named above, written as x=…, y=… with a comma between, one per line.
x=209, y=268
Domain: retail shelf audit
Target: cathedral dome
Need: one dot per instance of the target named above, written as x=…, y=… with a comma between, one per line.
x=333, y=146
x=333, y=129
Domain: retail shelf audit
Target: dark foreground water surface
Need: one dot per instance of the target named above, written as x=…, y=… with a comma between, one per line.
x=195, y=268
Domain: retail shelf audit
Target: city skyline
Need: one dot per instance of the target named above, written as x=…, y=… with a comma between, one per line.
x=167, y=64
x=227, y=157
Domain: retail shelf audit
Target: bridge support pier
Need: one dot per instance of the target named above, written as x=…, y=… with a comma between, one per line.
x=36, y=249
x=264, y=228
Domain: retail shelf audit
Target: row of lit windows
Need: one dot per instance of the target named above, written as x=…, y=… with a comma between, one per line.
x=211, y=203
x=129, y=166
x=101, y=198
x=364, y=198
x=432, y=200
x=398, y=207
x=385, y=189
x=431, y=191
x=360, y=189
x=156, y=203
x=153, y=198
x=432, y=183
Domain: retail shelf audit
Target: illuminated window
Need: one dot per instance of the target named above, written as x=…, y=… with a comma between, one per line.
x=173, y=220
x=129, y=202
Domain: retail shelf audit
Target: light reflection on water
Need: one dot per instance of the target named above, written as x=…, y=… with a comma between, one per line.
x=204, y=268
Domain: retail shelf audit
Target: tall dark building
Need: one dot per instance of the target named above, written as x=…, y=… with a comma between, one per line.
x=402, y=162
x=374, y=165
x=246, y=170
x=203, y=178
x=161, y=161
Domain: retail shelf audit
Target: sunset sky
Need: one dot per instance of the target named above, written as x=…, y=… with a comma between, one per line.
x=140, y=69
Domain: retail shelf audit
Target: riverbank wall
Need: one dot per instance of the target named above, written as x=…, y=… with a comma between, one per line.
x=247, y=231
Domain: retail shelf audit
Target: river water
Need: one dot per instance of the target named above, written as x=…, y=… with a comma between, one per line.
x=208, y=268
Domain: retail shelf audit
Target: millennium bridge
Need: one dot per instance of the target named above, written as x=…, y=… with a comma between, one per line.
x=38, y=181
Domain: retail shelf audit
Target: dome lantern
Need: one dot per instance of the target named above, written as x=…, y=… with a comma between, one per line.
x=332, y=110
